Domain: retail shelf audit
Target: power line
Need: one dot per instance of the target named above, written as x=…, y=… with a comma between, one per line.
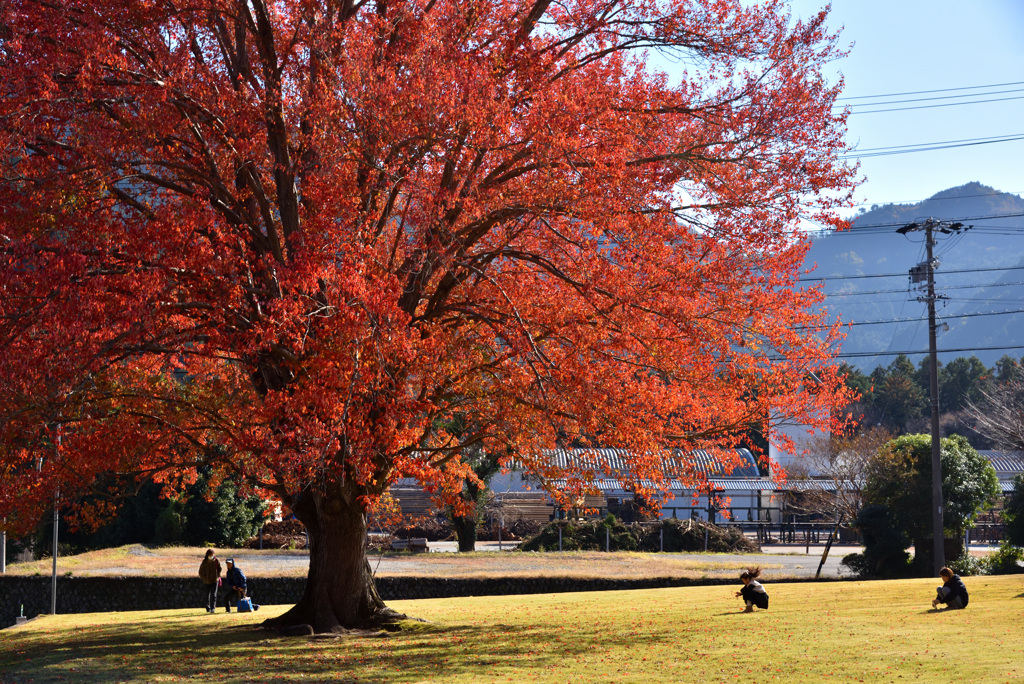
x=870, y=228
x=865, y=292
x=994, y=193
x=928, y=92
x=929, y=99
x=915, y=320
x=926, y=147
x=998, y=300
x=854, y=355
x=933, y=106
x=979, y=286
x=1016, y=214
x=944, y=142
x=906, y=274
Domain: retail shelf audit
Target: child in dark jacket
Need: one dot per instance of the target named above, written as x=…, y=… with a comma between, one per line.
x=952, y=592
x=752, y=592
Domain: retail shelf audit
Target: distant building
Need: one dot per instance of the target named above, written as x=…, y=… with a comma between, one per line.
x=800, y=434
x=745, y=495
x=1008, y=464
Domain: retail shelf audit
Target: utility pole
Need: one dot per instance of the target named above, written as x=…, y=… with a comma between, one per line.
x=56, y=506
x=926, y=271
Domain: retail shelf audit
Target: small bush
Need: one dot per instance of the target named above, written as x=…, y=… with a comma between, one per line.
x=857, y=563
x=586, y=535
x=432, y=529
x=514, y=530
x=885, y=545
x=679, y=536
x=689, y=535
x=968, y=565
x=169, y=526
x=279, y=534
x=1006, y=560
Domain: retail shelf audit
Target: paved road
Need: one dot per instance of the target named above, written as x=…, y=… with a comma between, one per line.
x=788, y=561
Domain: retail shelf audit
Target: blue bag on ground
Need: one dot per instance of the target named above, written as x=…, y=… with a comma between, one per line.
x=245, y=605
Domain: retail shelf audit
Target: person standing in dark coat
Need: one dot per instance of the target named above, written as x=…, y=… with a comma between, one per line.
x=952, y=592
x=209, y=573
x=235, y=580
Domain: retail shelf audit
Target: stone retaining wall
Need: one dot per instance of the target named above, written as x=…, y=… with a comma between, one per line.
x=102, y=594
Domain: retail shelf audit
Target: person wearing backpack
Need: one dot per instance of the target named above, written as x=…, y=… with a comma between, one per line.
x=209, y=573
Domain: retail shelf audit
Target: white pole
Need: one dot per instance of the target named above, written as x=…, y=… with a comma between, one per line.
x=53, y=582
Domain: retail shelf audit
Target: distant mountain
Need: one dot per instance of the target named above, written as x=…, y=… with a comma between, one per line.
x=981, y=271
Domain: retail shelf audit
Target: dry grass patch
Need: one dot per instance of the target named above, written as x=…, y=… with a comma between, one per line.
x=579, y=564
x=137, y=560
x=843, y=631
x=141, y=561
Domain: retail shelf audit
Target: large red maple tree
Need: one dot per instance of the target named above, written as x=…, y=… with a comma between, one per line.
x=295, y=239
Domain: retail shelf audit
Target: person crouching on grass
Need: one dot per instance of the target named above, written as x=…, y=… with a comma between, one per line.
x=752, y=592
x=952, y=592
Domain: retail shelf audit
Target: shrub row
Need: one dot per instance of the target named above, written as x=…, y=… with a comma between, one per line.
x=670, y=535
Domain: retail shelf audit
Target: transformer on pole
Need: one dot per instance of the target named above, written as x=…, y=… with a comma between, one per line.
x=926, y=272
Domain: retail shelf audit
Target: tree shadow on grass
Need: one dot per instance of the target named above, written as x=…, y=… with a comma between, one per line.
x=121, y=653
x=248, y=653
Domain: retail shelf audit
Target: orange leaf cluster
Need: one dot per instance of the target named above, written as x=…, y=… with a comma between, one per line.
x=291, y=238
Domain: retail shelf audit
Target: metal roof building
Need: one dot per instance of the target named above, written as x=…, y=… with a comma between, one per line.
x=1008, y=465
x=740, y=462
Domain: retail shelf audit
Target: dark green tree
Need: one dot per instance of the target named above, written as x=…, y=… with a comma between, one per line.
x=466, y=508
x=1013, y=513
x=221, y=517
x=923, y=375
x=855, y=379
x=862, y=385
x=1007, y=370
x=899, y=477
x=961, y=381
x=885, y=544
x=898, y=399
x=473, y=496
x=202, y=517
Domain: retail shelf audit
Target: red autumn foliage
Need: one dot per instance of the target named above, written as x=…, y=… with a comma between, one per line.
x=312, y=232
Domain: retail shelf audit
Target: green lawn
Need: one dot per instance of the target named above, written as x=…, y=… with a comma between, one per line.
x=828, y=632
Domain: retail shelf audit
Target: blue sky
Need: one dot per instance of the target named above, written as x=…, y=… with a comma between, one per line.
x=901, y=46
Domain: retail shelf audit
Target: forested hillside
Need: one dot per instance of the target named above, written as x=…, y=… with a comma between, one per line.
x=980, y=276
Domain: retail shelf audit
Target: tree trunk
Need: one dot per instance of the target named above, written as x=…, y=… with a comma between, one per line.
x=465, y=531
x=340, y=593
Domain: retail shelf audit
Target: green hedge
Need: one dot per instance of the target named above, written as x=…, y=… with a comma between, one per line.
x=679, y=536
